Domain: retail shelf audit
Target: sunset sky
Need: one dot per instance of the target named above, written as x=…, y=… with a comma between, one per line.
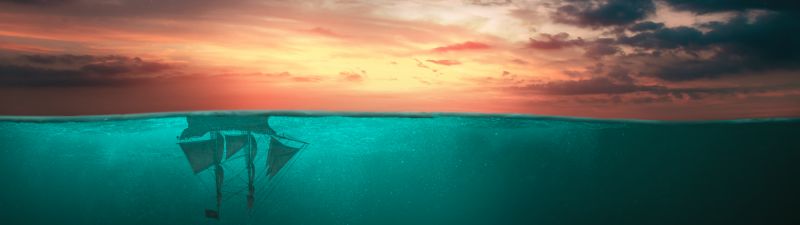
x=644, y=59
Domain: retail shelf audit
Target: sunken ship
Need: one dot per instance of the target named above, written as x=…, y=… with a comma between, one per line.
x=212, y=142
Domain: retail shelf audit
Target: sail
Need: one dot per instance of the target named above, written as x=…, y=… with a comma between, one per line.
x=200, y=125
x=235, y=143
x=202, y=154
x=279, y=155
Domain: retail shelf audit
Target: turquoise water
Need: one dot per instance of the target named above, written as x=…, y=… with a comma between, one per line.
x=408, y=169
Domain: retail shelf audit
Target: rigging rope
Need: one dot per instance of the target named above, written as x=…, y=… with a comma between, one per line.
x=280, y=177
x=262, y=182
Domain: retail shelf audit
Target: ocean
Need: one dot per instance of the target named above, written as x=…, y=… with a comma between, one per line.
x=396, y=168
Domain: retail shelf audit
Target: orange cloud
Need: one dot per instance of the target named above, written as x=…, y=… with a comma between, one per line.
x=26, y=48
x=351, y=76
x=444, y=62
x=325, y=32
x=462, y=47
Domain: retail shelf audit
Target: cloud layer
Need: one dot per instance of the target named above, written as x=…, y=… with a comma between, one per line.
x=597, y=58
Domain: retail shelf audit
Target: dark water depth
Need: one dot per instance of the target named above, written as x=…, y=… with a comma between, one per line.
x=403, y=169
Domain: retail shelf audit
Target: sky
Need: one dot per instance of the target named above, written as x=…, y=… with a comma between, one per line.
x=639, y=59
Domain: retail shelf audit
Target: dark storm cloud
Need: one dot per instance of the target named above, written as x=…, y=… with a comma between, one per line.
x=78, y=70
x=606, y=80
x=767, y=42
x=614, y=84
x=646, y=26
x=707, y=92
x=554, y=42
x=118, y=8
x=35, y=2
x=488, y=2
x=693, y=69
x=597, y=48
x=620, y=74
x=708, y=6
x=28, y=76
x=747, y=43
x=770, y=37
x=601, y=47
x=666, y=38
x=607, y=90
x=598, y=14
x=59, y=59
x=106, y=65
x=598, y=85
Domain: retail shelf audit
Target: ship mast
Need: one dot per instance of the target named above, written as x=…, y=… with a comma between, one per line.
x=219, y=174
x=251, y=170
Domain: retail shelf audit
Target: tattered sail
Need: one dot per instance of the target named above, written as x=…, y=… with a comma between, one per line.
x=202, y=154
x=235, y=143
x=279, y=155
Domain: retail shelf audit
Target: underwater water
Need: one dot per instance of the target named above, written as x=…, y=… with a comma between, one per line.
x=401, y=169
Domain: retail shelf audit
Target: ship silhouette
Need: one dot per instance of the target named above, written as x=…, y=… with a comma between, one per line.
x=211, y=142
